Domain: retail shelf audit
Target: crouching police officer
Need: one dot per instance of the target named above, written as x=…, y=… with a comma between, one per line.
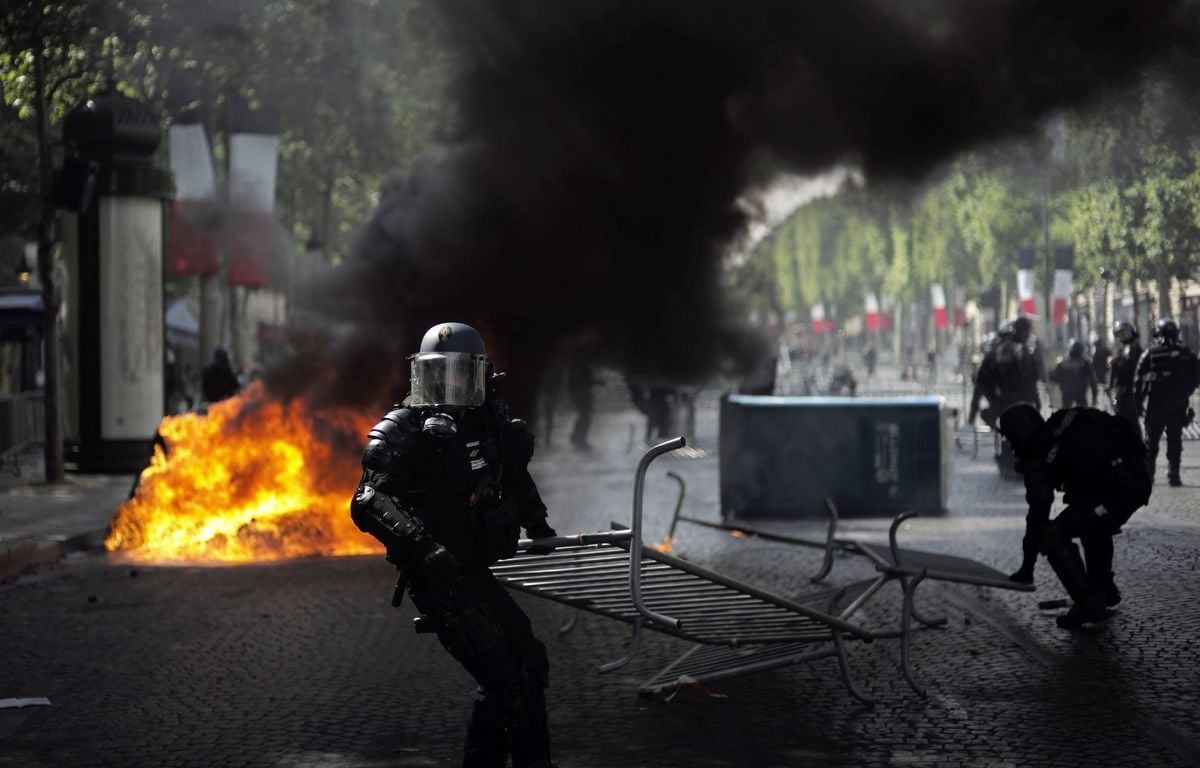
x=446, y=488
x=1098, y=462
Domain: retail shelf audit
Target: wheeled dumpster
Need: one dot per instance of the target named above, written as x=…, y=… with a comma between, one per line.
x=782, y=456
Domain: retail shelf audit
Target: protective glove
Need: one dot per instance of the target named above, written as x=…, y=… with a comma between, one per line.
x=541, y=530
x=440, y=569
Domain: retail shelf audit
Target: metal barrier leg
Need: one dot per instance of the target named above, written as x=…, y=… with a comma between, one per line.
x=570, y=623
x=844, y=666
x=843, y=663
x=827, y=563
x=910, y=585
x=634, y=642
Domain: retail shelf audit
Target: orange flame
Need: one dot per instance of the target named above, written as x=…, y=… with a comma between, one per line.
x=665, y=547
x=253, y=480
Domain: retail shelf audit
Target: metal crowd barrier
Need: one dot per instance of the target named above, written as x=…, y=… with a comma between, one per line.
x=742, y=627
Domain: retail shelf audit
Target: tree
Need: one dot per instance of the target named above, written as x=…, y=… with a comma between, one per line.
x=42, y=45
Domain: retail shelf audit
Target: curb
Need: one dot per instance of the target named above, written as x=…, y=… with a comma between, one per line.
x=20, y=555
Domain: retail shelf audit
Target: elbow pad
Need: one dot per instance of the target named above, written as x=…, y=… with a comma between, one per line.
x=385, y=520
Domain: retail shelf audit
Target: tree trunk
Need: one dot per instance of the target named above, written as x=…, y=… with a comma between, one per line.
x=1163, y=281
x=1133, y=290
x=53, y=447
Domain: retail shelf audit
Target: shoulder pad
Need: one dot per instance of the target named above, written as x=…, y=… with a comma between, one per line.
x=393, y=436
x=397, y=428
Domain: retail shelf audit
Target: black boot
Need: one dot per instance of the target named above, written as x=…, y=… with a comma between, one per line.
x=1089, y=610
x=1112, y=595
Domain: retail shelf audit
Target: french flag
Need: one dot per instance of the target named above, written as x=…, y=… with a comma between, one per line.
x=1025, y=259
x=938, y=295
x=872, y=311
x=194, y=214
x=253, y=159
x=1064, y=266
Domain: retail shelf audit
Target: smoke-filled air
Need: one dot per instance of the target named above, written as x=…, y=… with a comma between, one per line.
x=600, y=159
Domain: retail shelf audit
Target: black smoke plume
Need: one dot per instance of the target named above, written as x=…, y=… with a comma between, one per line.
x=600, y=154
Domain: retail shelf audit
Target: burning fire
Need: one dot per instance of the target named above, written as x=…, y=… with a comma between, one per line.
x=253, y=480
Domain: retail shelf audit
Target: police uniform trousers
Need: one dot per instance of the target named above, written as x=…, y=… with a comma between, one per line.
x=1094, y=526
x=489, y=634
x=1127, y=409
x=1073, y=397
x=1172, y=422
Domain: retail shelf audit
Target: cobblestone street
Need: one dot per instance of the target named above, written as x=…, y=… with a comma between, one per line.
x=305, y=664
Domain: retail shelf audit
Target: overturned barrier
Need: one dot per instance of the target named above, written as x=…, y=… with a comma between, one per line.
x=737, y=627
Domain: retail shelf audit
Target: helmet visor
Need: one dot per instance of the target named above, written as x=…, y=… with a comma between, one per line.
x=448, y=378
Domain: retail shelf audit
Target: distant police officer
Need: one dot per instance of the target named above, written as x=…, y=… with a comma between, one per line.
x=1165, y=379
x=1019, y=366
x=1075, y=376
x=1098, y=462
x=1008, y=374
x=446, y=488
x=1122, y=372
x=986, y=386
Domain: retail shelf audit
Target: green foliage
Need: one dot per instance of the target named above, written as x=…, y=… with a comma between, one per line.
x=354, y=87
x=1126, y=193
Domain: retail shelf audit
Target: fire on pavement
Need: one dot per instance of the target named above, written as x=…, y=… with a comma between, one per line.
x=255, y=479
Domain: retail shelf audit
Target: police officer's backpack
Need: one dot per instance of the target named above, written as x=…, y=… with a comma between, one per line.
x=1092, y=439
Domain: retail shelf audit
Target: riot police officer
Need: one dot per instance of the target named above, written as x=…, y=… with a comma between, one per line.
x=1008, y=374
x=1075, y=376
x=1165, y=379
x=1121, y=373
x=446, y=488
x=1097, y=460
x=985, y=377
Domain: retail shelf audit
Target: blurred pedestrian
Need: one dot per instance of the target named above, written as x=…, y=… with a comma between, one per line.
x=546, y=402
x=218, y=380
x=179, y=393
x=1165, y=379
x=580, y=381
x=871, y=358
x=843, y=382
x=1101, y=354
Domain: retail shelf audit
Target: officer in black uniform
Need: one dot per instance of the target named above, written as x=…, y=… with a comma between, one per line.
x=1098, y=462
x=1165, y=379
x=1075, y=376
x=446, y=488
x=1121, y=373
x=986, y=386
